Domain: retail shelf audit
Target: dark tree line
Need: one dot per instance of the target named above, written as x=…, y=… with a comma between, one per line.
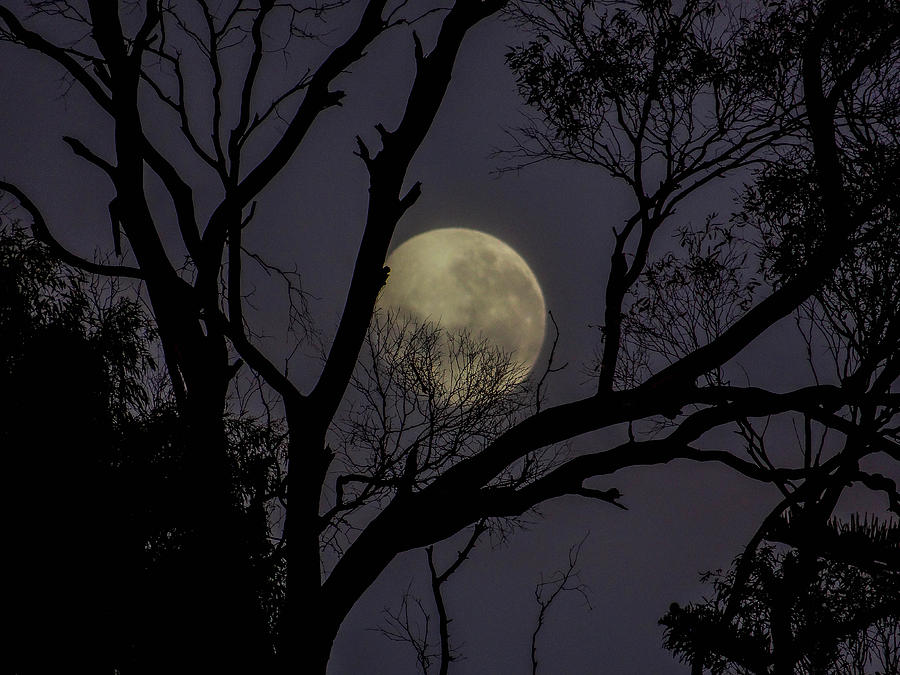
x=799, y=611
x=102, y=510
x=266, y=554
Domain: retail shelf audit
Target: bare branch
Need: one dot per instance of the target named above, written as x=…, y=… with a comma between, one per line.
x=548, y=590
x=42, y=233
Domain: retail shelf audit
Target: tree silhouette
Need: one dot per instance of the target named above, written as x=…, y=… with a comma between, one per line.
x=59, y=358
x=795, y=613
x=666, y=98
x=102, y=521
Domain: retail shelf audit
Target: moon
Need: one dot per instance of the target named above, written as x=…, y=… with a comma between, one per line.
x=464, y=279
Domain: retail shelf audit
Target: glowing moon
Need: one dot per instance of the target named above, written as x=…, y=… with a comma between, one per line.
x=463, y=279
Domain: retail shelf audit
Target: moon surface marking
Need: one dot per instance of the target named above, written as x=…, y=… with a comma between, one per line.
x=464, y=279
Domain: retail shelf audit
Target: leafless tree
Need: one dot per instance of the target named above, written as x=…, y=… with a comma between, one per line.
x=549, y=589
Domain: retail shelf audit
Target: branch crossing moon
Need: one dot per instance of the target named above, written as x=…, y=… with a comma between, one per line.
x=463, y=279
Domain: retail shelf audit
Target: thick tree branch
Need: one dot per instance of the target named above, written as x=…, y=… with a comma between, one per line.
x=548, y=590
x=458, y=497
x=246, y=98
x=387, y=171
x=318, y=97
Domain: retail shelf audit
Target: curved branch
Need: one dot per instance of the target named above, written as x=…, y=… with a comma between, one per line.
x=81, y=150
x=37, y=42
x=42, y=233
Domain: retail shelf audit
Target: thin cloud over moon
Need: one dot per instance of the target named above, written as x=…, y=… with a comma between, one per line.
x=464, y=279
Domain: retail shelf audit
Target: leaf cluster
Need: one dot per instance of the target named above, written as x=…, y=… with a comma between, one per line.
x=842, y=618
x=113, y=473
x=685, y=299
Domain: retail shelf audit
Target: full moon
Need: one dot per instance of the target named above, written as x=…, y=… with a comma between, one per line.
x=463, y=279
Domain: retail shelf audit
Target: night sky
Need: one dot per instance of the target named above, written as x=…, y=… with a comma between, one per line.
x=682, y=518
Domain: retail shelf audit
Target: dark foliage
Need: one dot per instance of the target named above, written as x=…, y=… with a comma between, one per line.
x=829, y=616
x=67, y=533
x=99, y=499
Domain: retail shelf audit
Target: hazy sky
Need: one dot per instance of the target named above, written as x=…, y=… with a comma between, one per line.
x=682, y=518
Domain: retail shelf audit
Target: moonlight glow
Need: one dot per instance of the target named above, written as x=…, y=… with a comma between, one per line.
x=464, y=279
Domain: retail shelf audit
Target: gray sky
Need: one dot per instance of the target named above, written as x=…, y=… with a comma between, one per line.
x=682, y=518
